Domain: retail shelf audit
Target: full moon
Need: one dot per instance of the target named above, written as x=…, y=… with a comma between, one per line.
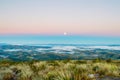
x=65, y=33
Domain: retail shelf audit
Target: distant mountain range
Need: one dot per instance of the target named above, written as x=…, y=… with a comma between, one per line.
x=4, y=44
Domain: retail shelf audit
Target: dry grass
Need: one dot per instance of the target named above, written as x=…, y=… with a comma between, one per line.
x=59, y=70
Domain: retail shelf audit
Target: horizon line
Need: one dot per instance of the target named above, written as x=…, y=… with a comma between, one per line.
x=29, y=34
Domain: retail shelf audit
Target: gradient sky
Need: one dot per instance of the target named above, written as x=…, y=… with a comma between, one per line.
x=81, y=17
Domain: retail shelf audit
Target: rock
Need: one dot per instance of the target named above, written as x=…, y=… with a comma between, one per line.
x=91, y=75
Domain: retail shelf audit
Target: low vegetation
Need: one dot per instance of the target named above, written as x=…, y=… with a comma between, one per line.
x=60, y=70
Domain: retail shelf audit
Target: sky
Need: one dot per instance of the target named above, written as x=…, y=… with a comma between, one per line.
x=60, y=17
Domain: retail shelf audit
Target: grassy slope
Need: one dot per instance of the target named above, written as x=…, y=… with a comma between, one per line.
x=59, y=70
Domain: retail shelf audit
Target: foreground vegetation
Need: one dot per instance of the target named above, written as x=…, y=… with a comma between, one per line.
x=60, y=70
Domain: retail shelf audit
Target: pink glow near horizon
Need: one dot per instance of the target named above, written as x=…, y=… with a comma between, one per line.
x=76, y=17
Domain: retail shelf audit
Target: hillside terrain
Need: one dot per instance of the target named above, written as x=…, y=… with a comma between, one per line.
x=61, y=70
x=58, y=52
